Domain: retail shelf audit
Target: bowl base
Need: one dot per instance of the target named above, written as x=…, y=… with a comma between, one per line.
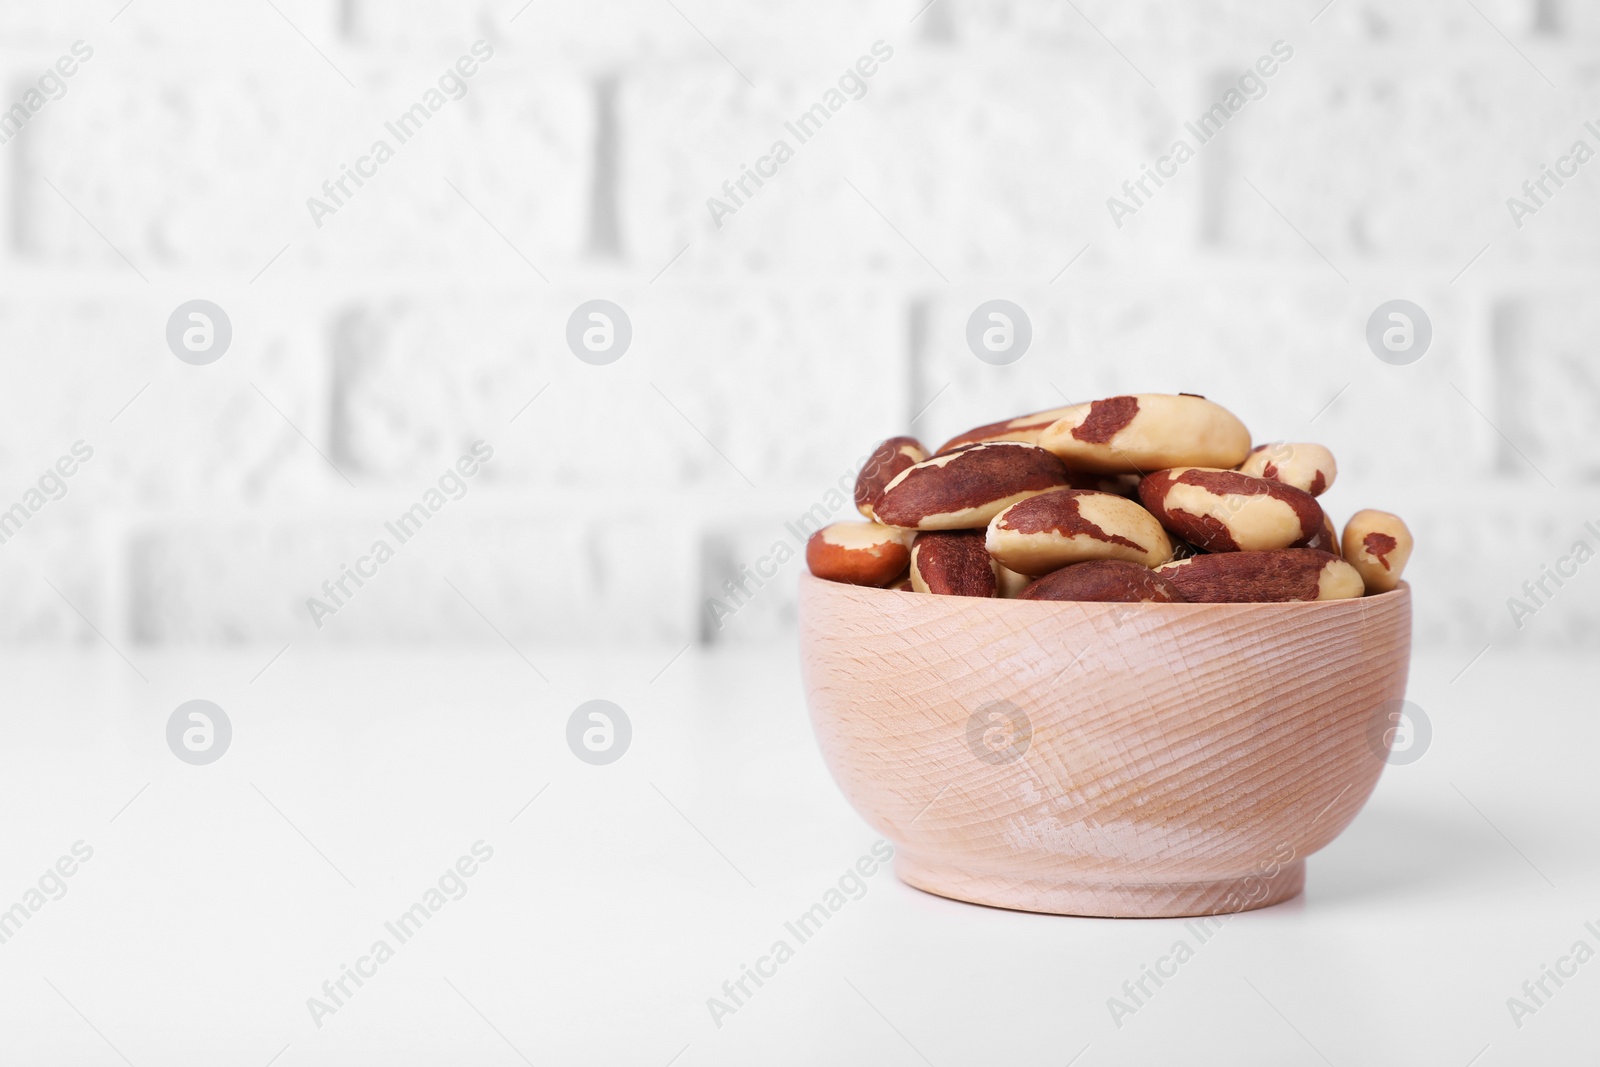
x=1119, y=900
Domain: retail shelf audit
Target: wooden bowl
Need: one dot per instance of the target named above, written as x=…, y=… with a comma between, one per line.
x=1103, y=759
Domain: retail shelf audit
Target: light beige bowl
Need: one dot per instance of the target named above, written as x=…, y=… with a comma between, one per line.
x=1103, y=759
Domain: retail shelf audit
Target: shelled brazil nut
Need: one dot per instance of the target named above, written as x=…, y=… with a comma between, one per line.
x=1268, y=576
x=1106, y=581
x=964, y=489
x=1147, y=432
x=859, y=553
x=1378, y=545
x=1226, y=511
x=1146, y=497
x=882, y=466
x=953, y=562
x=1300, y=464
x=1048, y=531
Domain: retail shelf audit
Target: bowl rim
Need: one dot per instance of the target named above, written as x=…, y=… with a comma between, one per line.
x=1401, y=591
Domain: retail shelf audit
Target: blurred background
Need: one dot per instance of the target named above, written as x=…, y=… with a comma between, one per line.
x=179, y=519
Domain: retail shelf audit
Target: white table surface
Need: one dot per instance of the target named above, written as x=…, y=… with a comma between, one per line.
x=620, y=900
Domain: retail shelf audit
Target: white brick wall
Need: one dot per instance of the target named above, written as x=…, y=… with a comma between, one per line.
x=416, y=320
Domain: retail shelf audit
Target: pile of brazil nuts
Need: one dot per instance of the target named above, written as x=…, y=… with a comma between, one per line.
x=1147, y=498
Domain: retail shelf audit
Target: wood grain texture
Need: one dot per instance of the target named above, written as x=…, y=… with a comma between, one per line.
x=1184, y=759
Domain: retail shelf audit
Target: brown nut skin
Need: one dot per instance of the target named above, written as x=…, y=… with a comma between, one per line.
x=1147, y=432
x=1107, y=581
x=887, y=460
x=1378, y=545
x=1306, y=466
x=953, y=563
x=859, y=553
x=964, y=489
x=1024, y=428
x=1225, y=511
x=1275, y=576
x=1062, y=526
x=1325, y=540
x=1121, y=484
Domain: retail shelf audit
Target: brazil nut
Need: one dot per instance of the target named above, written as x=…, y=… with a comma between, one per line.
x=1274, y=576
x=1106, y=581
x=964, y=489
x=1378, y=545
x=1147, y=432
x=953, y=563
x=1300, y=464
x=1226, y=511
x=887, y=460
x=1062, y=526
x=860, y=553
